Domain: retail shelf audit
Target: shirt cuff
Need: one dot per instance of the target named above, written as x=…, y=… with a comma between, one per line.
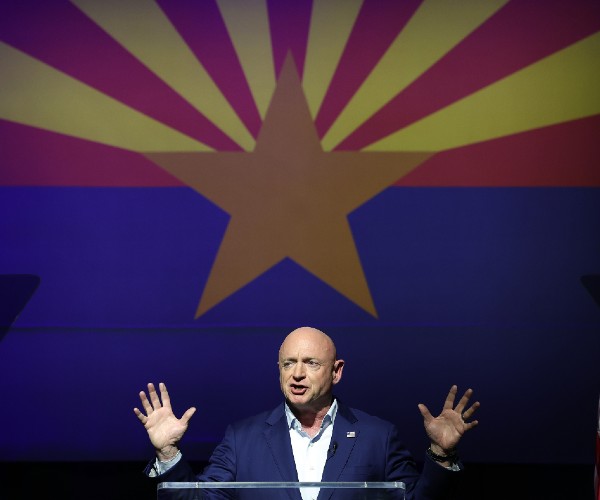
x=160, y=467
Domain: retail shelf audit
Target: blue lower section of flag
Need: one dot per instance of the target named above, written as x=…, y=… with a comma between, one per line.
x=141, y=257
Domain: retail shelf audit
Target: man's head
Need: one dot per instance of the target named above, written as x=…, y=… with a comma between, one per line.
x=308, y=369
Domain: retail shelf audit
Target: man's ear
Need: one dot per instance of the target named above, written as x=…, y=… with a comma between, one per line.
x=338, y=367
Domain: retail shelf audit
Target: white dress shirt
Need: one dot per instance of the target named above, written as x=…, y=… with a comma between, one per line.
x=310, y=454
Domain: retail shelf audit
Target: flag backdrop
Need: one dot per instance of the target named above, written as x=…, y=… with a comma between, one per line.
x=190, y=180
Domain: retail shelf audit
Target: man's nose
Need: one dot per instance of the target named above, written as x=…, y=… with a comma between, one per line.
x=299, y=372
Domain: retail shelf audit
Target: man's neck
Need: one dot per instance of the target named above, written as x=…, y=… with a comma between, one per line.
x=310, y=417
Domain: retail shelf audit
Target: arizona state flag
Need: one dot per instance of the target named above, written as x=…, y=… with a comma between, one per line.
x=191, y=179
x=282, y=120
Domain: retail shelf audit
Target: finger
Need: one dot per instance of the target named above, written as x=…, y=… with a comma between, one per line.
x=469, y=412
x=427, y=416
x=164, y=395
x=449, y=403
x=464, y=400
x=145, y=403
x=470, y=425
x=185, y=418
x=141, y=417
x=153, y=396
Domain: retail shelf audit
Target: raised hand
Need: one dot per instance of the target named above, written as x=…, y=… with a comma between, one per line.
x=164, y=428
x=446, y=430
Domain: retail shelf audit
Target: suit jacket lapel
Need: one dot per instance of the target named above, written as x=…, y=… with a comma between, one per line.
x=345, y=434
x=278, y=438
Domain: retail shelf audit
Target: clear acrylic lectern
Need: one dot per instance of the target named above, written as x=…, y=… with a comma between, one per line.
x=284, y=491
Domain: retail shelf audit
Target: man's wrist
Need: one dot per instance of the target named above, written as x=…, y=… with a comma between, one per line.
x=438, y=450
x=167, y=454
x=442, y=456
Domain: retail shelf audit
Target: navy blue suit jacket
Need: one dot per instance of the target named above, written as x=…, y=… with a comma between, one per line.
x=363, y=448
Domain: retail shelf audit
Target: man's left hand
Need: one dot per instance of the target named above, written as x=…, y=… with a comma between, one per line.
x=446, y=430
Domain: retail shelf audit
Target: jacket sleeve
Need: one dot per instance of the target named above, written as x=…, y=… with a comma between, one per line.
x=433, y=482
x=222, y=463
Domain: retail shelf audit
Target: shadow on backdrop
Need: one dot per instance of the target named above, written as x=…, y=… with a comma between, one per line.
x=15, y=292
x=591, y=282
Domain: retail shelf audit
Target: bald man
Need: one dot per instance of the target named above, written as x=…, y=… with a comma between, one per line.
x=312, y=436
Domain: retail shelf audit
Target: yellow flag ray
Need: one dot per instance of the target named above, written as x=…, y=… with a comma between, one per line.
x=35, y=94
x=330, y=26
x=143, y=29
x=556, y=89
x=248, y=26
x=435, y=28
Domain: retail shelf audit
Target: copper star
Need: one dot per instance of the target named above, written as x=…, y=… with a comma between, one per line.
x=288, y=198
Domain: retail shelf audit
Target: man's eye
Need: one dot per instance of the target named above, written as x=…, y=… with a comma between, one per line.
x=313, y=364
x=287, y=364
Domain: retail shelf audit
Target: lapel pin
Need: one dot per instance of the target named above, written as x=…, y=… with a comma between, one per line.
x=350, y=434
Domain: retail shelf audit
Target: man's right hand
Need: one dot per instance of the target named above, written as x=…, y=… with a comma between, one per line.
x=164, y=428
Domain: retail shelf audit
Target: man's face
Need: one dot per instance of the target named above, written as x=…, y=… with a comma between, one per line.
x=308, y=369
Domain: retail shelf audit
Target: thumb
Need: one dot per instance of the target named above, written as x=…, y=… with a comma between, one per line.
x=425, y=412
x=188, y=415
